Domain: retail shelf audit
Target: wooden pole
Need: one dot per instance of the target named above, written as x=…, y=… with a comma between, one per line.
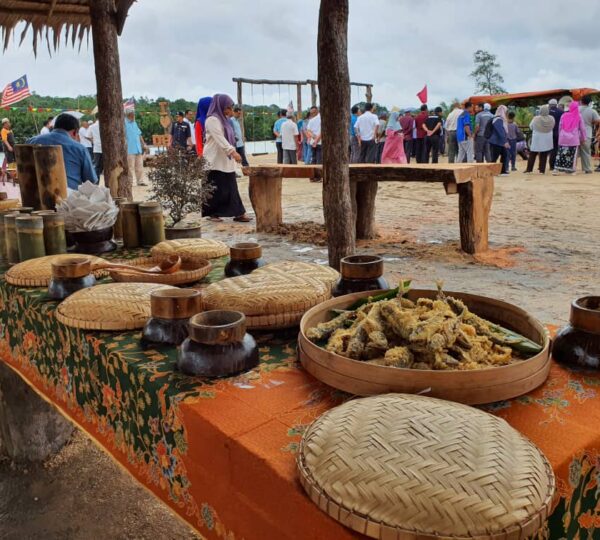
x=369, y=93
x=28, y=183
x=299, y=100
x=313, y=94
x=110, y=96
x=51, y=175
x=334, y=89
x=239, y=102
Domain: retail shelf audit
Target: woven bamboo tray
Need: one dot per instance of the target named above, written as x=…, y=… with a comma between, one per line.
x=190, y=250
x=269, y=300
x=320, y=272
x=472, y=387
x=38, y=272
x=415, y=468
x=190, y=272
x=112, y=306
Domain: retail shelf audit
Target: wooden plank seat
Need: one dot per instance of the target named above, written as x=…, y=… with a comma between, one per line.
x=473, y=182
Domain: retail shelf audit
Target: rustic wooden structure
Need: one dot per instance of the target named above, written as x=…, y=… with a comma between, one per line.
x=72, y=20
x=473, y=182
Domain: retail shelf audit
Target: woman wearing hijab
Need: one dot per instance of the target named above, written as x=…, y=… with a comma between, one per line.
x=542, y=141
x=393, y=150
x=499, y=141
x=201, y=112
x=571, y=133
x=220, y=153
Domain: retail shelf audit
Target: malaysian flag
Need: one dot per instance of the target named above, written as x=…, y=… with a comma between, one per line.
x=129, y=105
x=15, y=92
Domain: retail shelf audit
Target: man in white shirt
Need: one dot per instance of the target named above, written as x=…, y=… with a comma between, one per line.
x=84, y=137
x=94, y=135
x=451, y=132
x=591, y=119
x=366, y=132
x=289, y=139
x=46, y=127
x=314, y=134
x=190, y=119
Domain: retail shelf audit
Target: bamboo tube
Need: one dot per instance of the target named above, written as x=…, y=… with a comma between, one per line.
x=54, y=232
x=10, y=235
x=131, y=224
x=30, y=237
x=152, y=223
x=51, y=175
x=118, y=226
x=28, y=184
x=3, y=234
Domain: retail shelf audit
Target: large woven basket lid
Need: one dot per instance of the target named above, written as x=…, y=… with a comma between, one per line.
x=38, y=272
x=189, y=249
x=409, y=467
x=112, y=306
x=320, y=272
x=269, y=299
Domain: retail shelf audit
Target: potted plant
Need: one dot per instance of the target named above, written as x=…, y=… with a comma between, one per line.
x=180, y=183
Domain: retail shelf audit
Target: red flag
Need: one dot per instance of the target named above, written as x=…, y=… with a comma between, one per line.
x=422, y=95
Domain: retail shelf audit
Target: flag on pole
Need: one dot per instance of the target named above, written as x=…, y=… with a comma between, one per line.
x=129, y=105
x=15, y=91
x=290, y=107
x=422, y=95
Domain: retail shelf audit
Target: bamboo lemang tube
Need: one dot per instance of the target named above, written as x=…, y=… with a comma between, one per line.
x=51, y=175
x=152, y=223
x=55, y=241
x=118, y=226
x=28, y=184
x=30, y=237
x=3, y=234
x=10, y=235
x=131, y=224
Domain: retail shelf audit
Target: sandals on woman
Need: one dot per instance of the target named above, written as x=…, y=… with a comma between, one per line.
x=243, y=219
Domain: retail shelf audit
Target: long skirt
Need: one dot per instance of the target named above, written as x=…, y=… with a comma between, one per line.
x=566, y=159
x=393, y=151
x=225, y=200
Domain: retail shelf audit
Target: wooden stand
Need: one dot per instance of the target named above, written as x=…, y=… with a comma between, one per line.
x=265, y=195
x=474, y=204
x=51, y=175
x=28, y=183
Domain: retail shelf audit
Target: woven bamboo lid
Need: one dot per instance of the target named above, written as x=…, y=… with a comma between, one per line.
x=37, y=272
x=320, y=272
x=269, y=299
x=190, y=249
x=190, y=272
x=407, y=467
x=112, y=306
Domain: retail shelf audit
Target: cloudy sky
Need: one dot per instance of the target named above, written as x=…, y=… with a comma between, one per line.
x=191, y=48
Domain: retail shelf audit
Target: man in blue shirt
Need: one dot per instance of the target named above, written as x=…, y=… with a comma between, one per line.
x=239, y=137
x=354, y=146
x=135, y=152
x=464, y=135
x=78, y=164
x=277, y=132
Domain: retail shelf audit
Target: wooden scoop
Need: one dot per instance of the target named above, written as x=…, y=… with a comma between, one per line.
x=68, y=268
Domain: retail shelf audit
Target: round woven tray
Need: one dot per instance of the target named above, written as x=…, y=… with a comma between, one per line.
x=269, y=299
x=415, y=468
x=190, y=272
x=190, y=250
x=38, y=272
x=320, y=272
x=112, y=306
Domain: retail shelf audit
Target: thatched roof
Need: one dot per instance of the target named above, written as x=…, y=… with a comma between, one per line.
x=48, y=19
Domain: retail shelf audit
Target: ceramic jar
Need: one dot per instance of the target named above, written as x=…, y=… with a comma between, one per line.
x=360, y=273
x=244, y=258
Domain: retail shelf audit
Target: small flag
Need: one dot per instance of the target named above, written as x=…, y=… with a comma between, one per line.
x=290, y=107
x=15, y=92
x=422, y=95
x=129, y=105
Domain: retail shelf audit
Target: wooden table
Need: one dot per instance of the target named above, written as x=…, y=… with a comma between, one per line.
x=474, y=183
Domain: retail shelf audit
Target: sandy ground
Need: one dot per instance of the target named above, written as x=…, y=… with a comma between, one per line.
x=544, y=234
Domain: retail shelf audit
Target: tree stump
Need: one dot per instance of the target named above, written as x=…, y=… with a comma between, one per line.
x=366, y=192
x=265, y=195
x=474, y=204
x=30, y=428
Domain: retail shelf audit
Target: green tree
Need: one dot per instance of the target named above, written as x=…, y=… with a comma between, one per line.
x=487, y=77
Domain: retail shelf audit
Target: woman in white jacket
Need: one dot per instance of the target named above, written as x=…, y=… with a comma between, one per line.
x=219, y=152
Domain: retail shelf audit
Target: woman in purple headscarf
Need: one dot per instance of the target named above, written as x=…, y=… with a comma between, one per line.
x=219, y=151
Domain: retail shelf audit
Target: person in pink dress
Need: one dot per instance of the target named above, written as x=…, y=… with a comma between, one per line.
x=571, y=134
x=393, y=151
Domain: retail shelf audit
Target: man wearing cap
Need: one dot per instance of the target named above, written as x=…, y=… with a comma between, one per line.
x=239, y=137
x=181, y=134
x=482, y=147
x=556, y=113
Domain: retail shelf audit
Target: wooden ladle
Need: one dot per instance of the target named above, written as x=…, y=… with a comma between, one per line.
x=77, y=267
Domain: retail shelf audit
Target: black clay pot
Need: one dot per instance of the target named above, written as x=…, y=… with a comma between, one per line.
x=578, y=343
x=94, y=242
x=69, y=276
x=218, y=345
x=360, y=273
x=244, y=259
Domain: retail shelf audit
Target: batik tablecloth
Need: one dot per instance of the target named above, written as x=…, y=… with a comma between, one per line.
x=222, y=453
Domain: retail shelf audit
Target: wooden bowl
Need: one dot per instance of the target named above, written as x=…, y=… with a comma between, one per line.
x=471, y=387
x=175, y=303
x=245, y=251
x=70, y=267
x=361, y=267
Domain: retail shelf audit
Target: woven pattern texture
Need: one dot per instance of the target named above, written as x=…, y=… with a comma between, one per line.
x=112, y=306
x=190, y=272
x=320, y=272
x=400, y=466
x=190, y=249
x=38, y=272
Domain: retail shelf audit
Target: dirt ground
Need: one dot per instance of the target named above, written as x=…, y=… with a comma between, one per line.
x=544, y=234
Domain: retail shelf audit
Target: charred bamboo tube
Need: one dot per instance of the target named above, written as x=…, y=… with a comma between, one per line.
x=51, y=175
x=131, y=224
x=28, y=184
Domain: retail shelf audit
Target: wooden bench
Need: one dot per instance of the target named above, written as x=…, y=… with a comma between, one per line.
x=473, y=182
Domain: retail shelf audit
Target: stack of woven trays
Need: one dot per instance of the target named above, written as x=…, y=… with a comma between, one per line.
x=274, y=296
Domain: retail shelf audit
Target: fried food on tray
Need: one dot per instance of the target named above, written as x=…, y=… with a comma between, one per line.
x=426, y=334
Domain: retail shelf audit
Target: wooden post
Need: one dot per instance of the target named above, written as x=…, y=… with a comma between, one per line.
x=27, y=176
x=239, y=102
x=104, y=21
x=265, y=196
x=313, y=94
x=334, y=89
x=474, y=204
x=299, y=101
x=51, y=175
x=369, y=93
x=366, y=193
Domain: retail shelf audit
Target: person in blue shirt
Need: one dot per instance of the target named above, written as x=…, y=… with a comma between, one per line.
x=78, y=164
x=464, y=135
x=135, y=152
x=354, y=146
x=277, y=132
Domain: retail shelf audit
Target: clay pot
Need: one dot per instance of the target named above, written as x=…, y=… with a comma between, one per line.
x=245, y=257
x=94, y=242
x=578, y=343
x=218, y=345
x=70, y=275
x=360, y=273
x=172, y=233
